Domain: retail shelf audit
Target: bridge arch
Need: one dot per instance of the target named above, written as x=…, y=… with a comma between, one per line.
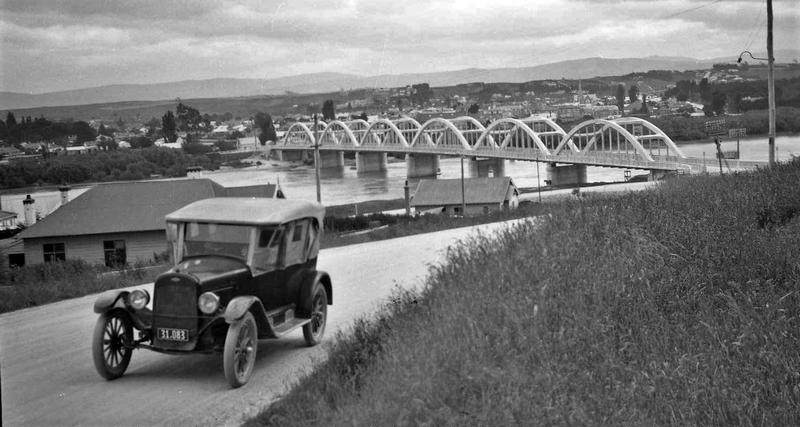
x=649, y=132
x=384, y=132
x=586, y=141
x=298, y=134
x=338, y=133
x=440, y=133
x=513, y=133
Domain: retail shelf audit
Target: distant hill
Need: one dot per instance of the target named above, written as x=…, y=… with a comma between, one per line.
x=332, y=82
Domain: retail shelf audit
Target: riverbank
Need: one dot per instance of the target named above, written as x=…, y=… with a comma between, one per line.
x=678, y=306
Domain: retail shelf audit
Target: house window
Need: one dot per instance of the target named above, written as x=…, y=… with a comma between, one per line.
x=115, y=253
x=54, y=252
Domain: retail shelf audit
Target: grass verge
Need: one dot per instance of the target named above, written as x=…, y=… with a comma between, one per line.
x=678, y=307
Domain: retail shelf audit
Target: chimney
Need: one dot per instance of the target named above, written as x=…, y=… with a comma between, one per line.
x=64, y=189
x=30, y=216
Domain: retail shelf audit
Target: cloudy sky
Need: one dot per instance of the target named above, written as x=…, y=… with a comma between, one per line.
x=50, y=45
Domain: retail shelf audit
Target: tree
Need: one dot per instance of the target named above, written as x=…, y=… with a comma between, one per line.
x=363, y=116
x=421, y=93
x=187, y=118
x=168, y=127
x=473, y=109
x=263, y=122
x=11, y=121
x=644, y=105
x=633, y=93
x=705, y=91
x=620, y=97
x=328, y=112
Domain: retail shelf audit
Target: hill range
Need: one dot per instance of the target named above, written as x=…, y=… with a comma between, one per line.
x=331, y=82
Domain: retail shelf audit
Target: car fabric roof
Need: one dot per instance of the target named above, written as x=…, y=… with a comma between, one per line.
x=241, y=210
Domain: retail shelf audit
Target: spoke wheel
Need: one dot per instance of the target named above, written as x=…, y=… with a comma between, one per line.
x=313, y=330
x=111, y=344
x=239, y=355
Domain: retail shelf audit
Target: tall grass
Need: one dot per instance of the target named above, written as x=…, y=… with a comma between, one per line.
x=677, y=307
x=39, y=284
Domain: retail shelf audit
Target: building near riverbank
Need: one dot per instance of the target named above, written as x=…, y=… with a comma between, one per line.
x=480, y=195
x=121, y=223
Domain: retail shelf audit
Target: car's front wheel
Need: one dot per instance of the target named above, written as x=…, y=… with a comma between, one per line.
x=112, y=343
x=239, y=355
x=313, y=330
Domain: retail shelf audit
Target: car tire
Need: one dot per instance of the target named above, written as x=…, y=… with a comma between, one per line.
x=112, y=343
x=315, y=329
x=239, y=355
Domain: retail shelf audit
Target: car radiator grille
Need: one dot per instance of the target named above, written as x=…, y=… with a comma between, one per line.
x=175, y=307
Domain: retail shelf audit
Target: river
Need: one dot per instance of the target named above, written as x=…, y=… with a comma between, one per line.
x=347, y=186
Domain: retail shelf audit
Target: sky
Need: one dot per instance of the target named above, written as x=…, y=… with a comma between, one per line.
x=53, y=45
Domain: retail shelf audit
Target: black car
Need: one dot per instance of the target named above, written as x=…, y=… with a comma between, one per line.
x=245, y=270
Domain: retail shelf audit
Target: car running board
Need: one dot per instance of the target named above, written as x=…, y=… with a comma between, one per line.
x=282, y=321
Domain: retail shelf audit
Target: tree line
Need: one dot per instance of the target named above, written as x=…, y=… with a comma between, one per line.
x=100, y=166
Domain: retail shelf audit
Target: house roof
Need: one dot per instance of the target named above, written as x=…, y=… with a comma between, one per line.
x=129, y=207
x=6, y=215
x=258, y=211
x=441, y=192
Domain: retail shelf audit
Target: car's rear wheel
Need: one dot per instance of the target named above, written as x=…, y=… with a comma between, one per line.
x=239, y=355
x=112, y=343
x=315, y=329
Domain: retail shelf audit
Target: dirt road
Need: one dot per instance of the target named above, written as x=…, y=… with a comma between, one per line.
x=48, y=378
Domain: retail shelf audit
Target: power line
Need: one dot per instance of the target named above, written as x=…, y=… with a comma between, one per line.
x=691, y=9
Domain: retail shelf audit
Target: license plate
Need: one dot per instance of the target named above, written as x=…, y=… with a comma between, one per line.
x=171, y=334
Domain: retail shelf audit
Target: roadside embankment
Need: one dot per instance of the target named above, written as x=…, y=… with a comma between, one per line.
x=678, y=306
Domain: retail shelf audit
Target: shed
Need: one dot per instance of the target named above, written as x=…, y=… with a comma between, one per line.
x=481, y=195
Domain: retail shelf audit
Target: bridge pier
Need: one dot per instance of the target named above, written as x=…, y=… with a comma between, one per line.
x=422, y=165
x=290, y=155
x=487, y=167
x=566, y=174
x=370, y=162
x=331, y=160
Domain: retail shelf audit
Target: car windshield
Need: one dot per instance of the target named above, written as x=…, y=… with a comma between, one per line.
x=216, y=239
x=208, y=264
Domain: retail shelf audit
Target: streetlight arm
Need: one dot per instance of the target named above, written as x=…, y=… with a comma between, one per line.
x=751, y=55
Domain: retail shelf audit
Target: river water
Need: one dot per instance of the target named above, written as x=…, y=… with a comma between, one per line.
x=298, y=181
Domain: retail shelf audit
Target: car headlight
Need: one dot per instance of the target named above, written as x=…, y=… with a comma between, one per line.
x=208, y=302
x=139, y=299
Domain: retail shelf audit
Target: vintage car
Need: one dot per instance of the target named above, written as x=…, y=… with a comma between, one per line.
x=245, y=269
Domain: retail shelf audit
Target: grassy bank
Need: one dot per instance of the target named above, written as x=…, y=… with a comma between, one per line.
x=673, y=307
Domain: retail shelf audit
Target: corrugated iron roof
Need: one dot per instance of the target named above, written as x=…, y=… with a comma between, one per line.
x=441, y=192
x=127, y=207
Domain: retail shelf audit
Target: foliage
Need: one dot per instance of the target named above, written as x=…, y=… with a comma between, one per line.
x=473, y=109
x=620, y=95
x=679, y=128
x=421, y=93
x=263, y=121
x=672, y=307
x=41, y=129
x=168, y=127
x=44, y=283
x=633, y=94
x=328, y=112
x=101, y=166
x=187, y=118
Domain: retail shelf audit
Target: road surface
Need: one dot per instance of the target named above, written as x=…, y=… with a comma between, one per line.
x=48, y=378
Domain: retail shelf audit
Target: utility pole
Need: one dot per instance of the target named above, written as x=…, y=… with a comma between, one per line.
x=463, y=191
x=316, y=160
x=770, y=85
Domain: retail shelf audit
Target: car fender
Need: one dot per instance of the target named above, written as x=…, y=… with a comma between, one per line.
x=239, y=306
x=307, y=289
x=114, y=298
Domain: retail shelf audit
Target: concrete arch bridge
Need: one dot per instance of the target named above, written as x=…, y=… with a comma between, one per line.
x=628, y=143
